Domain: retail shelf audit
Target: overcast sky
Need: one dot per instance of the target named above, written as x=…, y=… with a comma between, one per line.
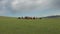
x=29, y=7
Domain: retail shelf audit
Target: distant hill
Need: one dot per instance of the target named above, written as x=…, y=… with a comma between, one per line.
x=54, y=16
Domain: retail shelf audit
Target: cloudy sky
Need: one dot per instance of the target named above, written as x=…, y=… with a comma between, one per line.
x=29, y=7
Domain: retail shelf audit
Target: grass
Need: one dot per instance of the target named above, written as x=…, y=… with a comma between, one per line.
x=23, y=26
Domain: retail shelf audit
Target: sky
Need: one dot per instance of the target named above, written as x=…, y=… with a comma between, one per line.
x=37, y=8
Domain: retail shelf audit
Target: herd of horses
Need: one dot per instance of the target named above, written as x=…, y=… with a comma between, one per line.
x=29, y=18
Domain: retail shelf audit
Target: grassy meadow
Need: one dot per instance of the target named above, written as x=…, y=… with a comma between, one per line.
x=24, y=26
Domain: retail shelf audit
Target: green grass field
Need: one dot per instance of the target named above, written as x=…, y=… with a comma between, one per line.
x=23, y=26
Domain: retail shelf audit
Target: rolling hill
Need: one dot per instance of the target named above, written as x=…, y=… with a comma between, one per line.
x=10, y=25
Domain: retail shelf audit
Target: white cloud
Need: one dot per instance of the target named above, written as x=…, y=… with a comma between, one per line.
x=30, y=4
x=27, y=5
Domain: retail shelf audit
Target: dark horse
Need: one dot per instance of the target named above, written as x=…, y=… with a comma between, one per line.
x=19, y=18
x=28, y=18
